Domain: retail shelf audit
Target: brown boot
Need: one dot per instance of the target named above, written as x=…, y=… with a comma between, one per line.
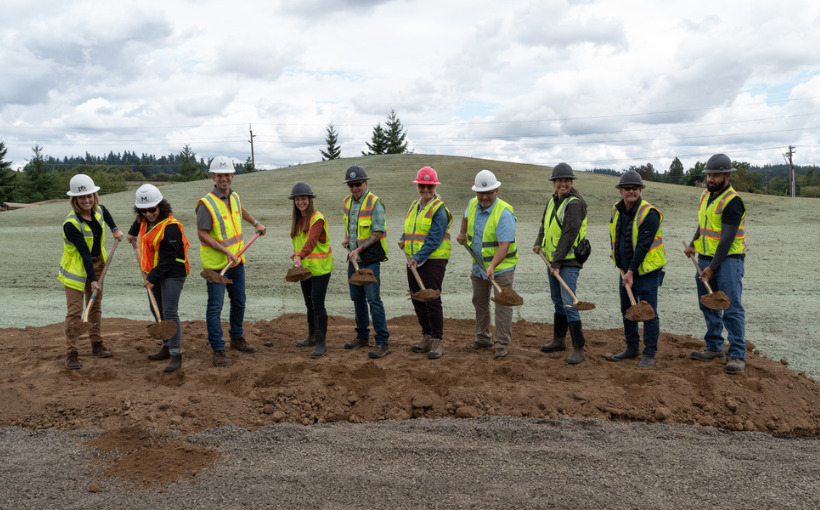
x=423, y=346
x=242, y=346
x=221, y=360
x=175, y=363
x=72, y=361
x=99, y=350
x=161, y=355
x=436, y=348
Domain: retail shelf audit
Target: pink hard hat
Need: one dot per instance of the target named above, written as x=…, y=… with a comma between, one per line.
x=427, y=176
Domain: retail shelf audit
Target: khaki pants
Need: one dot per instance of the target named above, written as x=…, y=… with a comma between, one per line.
x=503, y=314
x=74, y=300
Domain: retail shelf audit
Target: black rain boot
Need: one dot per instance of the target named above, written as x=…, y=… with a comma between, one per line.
x=578, y=342
x=559, y=338
x=175, y=363
x=321, y=337
x=310, y=340
x=630, y=352
x=161, y=355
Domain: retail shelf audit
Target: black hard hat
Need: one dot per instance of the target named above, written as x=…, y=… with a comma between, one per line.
x=562, y=171
x=301, y=189
x=631, y=178
x=718, y=164
x=355, y=173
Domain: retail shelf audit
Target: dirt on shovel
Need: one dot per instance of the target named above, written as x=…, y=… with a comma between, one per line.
x=77, y=327
x=508, y=297
x=298, y=274
x=640, y=312
x=214, y=277
x=582, y=306
x=162, y=330
x=425, y=295
x=363, y=277
x=716, y=300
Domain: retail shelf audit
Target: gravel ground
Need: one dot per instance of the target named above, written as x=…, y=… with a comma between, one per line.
x=487, y=462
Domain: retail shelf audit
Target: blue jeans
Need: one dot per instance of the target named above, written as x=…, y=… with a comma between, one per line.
x=644, y=288
x=167, y=294
x=216, y=295
x=729, y=279
x=561, y=297
x=364, y=296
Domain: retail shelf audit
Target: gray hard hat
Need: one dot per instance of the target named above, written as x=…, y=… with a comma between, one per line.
x=631, y=178
x=355, y=173
x=562, y=171
x=301, y=189
x=719, y=164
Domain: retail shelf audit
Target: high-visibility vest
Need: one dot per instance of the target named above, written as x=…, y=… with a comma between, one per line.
x=226, y=229
x=553, y=225
x=365, y=220
x=656, y=256
x=72, y=271
x=710, y=222
x=489, y=241
x=417, y=225
x=149, y=244
x=320, y=260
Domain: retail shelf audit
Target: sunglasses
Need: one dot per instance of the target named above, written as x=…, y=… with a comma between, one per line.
x=426, y=186
x=630, y=188
x=354, y=184
x=151, y=210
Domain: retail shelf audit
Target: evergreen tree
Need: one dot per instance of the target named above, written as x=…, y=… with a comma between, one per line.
x=378, y=142
x=189, y=169
x=39, y=182
x=396, y=135
x=331, y=139
x=249, y=166
x=647, y=171
x=675, y=171
x=8, y=177
x=695, y=176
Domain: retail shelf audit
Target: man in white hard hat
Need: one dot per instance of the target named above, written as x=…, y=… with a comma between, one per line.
x=219, y=218
x=488, y=228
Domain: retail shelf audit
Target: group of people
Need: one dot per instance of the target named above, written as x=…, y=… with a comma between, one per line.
x=487, y=229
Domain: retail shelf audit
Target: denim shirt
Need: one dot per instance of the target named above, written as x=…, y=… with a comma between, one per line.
x=353, y=220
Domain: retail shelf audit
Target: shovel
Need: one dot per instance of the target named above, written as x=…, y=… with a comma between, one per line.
x=581, y=306
x=298, y=274
x=161, y=330
x=713, y=300
x=505, y=296
x=424, y=294
x=640, y=312
x=219, y=278
x=77, y=328
x=361, y=277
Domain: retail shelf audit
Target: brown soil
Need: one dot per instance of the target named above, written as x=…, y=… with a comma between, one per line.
x=508, y=297
x=362, y=277
x=640, y=312
x=281, y=384
x=716, y=300
x=425, y=295
x=162, y=330
x=583, y=306
x=297, y=274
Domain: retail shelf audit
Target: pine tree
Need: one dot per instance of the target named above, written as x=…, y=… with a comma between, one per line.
x=249, y=166
x=675, y=171
x=378, y=142
x=331, y=139
x=39, y=182
x=395, y=134
x=8, y=177
x=189, y=169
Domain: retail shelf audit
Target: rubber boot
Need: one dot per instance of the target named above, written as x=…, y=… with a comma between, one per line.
x=578, y=342
x=175, y=363
x=630, y=352
x=559, y=337
x=321, y=337
x=161, y=355
x=308, y=341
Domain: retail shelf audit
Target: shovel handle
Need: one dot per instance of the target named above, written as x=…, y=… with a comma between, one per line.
x=254, y=238
x=492, y=280
x=355, y=264
x=151, y=297
x=93, y=297
x=561, y=281
x=628, y=289
x=415, y=273
x=700, y=271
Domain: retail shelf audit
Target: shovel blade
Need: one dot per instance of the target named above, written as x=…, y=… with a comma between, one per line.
x=162, y=330
x=214, y=277
x=640, y=312
x=716, y=300
x=77, y=327
x=298, y=274
x=363, y=277
x=582, y=306
x=508, y=297
x=425, y=295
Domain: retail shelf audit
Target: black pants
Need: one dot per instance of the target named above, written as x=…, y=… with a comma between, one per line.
x=430, y=315
x=314, y=290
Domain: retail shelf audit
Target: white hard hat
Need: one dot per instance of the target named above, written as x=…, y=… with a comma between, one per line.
x=221, y=165
x=80, y=185
x=148, y=196
x=485, y=181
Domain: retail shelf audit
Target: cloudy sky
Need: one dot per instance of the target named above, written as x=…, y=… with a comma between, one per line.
x=605, y=84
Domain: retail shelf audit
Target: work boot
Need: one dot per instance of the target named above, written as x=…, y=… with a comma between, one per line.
x=735, y=366
x=424, y=346
x=321, y=345
x=578, y=342
x=707, y=355
x=501, y=351
x=161, y=355
x=99, y=350
x=559, y=336
x=308, y=341
x=436, y=348
x=477, y=346
x=380, y=351
x=242, y=346
x=358, y=342
x=647, y=362
x=630, y=352
x=72, y=360
x=221, y=360
x=175, y=363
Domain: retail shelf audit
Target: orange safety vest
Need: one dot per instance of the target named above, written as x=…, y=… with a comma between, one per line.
x=149, y=244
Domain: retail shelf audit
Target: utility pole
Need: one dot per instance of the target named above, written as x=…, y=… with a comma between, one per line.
x=253, y=158
x=791, y=170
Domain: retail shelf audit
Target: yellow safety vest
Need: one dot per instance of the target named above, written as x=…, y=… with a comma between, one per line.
x=553, y=227
x=489, y=241
x=656, y=256
x=710, y=222
x=365, y=221
x=417, y=225
x=72, y=272
x=226, y=229
x=149, y=244
x=320, y=260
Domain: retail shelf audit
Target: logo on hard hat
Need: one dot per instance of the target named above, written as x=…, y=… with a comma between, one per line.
x=427, y=177
x=143, y=199
x=484, y=184
x=352, y=174
x=80, y=188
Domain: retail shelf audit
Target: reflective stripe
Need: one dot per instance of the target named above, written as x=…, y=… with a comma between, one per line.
x=217, y=217
x=72, y=276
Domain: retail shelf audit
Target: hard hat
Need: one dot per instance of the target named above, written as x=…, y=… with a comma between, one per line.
x=562, y=171
x=148, y=196
x=221, y=165
x=485, y=181
x=80, y=185
x=427, y=175
x=355, y=173
x=301, y=189
x=631, y=178
x=718, y=164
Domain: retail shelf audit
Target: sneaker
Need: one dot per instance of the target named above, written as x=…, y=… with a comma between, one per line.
x=735, y=366
x=72, y=361
x=380, y=351
x=501, y=351
x=221, y=360
x=242, y=346
x=436, y=349
x=477, y=346
x=647, y=362
x=424, y=345
x=707, y=355
x=357, y=343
